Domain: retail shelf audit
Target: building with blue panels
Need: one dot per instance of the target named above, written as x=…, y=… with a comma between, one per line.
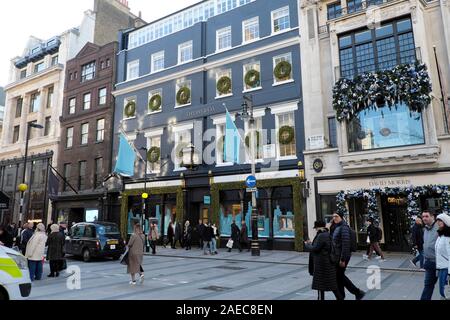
x=175, y=79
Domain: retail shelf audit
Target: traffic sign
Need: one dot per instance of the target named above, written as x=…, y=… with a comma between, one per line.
x=249, y=190
x=250, y=182
x=207, y=199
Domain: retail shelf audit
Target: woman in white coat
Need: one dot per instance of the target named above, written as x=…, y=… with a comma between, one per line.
x=443, y=255
x=35, y=252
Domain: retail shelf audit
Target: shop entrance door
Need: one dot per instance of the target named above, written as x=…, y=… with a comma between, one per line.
x=396, y=223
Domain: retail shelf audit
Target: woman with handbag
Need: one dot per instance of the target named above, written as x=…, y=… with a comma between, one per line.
x=35, y=251
x=136, y=254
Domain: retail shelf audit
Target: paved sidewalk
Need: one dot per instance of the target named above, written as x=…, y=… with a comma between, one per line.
x=394, y=261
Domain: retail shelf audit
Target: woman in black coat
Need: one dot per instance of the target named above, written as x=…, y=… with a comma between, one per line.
x=187, y=237
x=55, y=251
x=322, y=269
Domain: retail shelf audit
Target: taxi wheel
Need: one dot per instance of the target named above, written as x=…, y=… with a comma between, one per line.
x=86, y=255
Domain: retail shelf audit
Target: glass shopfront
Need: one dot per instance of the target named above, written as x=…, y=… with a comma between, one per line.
x=385, y=128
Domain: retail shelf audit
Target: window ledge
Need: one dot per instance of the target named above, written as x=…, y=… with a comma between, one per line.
x=397, y=156
x=275, y=33
x=251, y=90
x=99, y=142
x=276, y=84
x=224, y=96
x=225, y=164
x=154, y=112
x=286, y=158
x=131, y=118
x=182, y=106
x=179, y=170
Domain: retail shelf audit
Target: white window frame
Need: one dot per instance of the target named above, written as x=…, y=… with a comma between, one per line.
x=125, y=102
x=178, y=132
x=100, y=97
x=245, y=25
x=219, y=74
x=272, y=15
x=41, y=62
x=157, y=57
x=283, y=110
x=74, y=105
x=70, y=129
x=150, y=136
x=184, y=46
x=150, y=95
x=289, y=58
x=102, y=130
x=220, y=32
x=245, y=72
x=178, y=86
x=86, y=134
x=220, y=123
x=258, y=116
x=84, y=101
x=131, y=66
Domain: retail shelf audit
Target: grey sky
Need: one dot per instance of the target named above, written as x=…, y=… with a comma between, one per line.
x=47, y=18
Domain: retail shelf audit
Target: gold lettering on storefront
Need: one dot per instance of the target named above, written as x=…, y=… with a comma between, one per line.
x=393, y=182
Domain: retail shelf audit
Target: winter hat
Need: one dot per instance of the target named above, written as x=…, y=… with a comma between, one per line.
x=444, y=218
x=40, y=227
x=319, y=224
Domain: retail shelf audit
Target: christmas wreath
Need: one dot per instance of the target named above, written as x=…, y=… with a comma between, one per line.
x=154, y=154
x=406, y=83
x=179, y=149
x=155, y=103
x=252, y=78
x=183, y=95
x=130, y=109
x=258, y=139
x=286, y=135
x=283, y=71
x=224, y=85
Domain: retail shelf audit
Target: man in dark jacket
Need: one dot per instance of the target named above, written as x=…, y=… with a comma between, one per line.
x=417, y=241
x=341, y=255
x=374, y=235
x=207, y=237
x=170, y=234
x=6, y=238
x=244, y=236
x=27, y=233
x=200, y=231
x=178, y=235
x=235, y=236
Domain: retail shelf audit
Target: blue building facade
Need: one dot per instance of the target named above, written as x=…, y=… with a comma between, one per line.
x=175, y=79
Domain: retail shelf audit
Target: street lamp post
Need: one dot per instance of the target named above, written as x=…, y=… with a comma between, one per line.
x=145, y=196
x=247, y=115
x=23, y=187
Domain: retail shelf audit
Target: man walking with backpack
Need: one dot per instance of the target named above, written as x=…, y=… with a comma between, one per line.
x=374, y=235
x=343, y=243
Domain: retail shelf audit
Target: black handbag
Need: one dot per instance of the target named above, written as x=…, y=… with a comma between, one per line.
x=124, y=258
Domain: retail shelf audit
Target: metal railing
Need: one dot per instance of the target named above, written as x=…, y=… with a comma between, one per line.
x=357, y=7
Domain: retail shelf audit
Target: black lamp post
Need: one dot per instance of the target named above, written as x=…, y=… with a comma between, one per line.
x=145, y=197
x=247, y=115
x=190, y=160
x=23, y=187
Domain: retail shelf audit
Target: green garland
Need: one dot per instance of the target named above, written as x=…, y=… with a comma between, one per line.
x=252, y=78
x=183, y=96
x=224, y=85
x=130, y=109
x=258, y=139
x=406, y=83
x=154, y=154
x=283, y=71
x=286, y=135
x=155, y=103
